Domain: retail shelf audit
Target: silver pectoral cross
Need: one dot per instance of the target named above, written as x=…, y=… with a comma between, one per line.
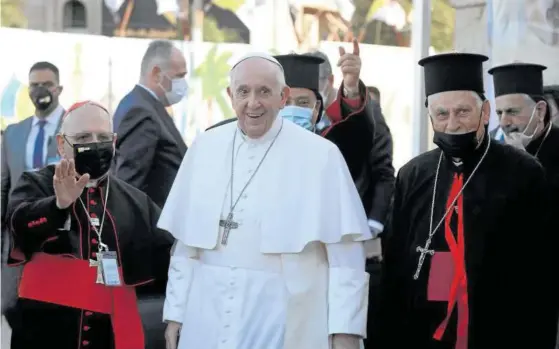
x=97, y=263
x=227, y=225
x=424, y=251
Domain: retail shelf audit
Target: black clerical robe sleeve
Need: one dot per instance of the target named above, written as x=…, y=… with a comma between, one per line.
x=352, y=130
x=33, y=214
x=394, y=285
x=381, y=169
x=530, y=276
x=161, y=244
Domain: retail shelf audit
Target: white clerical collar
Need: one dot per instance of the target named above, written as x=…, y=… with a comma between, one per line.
x=267, y=137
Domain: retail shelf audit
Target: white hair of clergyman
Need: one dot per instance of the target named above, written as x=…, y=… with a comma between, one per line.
x=432, y=98
x=280, y=73
x=158, y=54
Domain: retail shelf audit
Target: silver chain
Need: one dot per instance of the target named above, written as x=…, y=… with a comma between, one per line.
x=431, y=230
x=102, y=247
x=233, y=205
x=544, y=138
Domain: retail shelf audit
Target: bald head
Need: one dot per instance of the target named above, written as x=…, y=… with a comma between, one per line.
x=88, y=122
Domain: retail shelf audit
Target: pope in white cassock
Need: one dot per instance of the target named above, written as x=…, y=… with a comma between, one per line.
x=269, y=229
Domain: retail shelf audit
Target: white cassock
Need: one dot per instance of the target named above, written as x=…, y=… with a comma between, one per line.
x=293, y=272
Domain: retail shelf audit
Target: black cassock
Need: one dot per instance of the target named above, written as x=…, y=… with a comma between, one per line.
x=546, y=149
x=60, y=305
x=500, y=291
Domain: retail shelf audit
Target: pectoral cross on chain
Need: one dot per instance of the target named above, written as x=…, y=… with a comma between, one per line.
x=97, y=263
x=424, y=251
x=227, y=225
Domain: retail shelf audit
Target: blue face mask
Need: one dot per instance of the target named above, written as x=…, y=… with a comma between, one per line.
x=299, y=115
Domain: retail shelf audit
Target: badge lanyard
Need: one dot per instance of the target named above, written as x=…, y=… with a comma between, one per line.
x=102, y=247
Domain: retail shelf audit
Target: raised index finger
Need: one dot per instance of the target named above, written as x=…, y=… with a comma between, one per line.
x=355, y=47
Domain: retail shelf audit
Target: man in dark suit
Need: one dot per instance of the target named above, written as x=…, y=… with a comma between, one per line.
x=27, y=146
x=150, y=149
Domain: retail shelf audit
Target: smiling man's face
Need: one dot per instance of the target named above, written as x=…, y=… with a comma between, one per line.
x=257, y=95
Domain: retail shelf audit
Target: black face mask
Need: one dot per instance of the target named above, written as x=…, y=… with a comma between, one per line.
x=41, y=97
x=93, y=158
x=457, y=145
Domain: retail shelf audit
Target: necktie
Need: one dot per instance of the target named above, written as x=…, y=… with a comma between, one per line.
x=39, y=145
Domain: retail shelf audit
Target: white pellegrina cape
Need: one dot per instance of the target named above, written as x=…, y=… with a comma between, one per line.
x=306, y=201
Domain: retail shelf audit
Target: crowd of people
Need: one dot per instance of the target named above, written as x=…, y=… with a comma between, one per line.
x=285, y=226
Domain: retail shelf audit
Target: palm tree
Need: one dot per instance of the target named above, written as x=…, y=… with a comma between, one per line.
x=213, y=73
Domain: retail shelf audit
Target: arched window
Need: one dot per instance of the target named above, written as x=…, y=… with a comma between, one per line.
x=74, y=15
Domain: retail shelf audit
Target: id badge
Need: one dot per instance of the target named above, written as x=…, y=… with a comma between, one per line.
x=110, y=269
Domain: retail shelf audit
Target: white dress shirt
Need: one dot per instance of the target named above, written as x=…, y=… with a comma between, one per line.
x=51, y=126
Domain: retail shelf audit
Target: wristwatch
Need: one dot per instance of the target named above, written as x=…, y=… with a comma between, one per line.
x=350, y=94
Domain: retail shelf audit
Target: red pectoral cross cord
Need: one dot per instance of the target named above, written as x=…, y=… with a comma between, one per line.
x=458, y=295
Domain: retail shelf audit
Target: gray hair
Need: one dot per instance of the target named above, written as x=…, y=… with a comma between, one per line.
x=431, y=99
x=158, y=54
x=325, y=69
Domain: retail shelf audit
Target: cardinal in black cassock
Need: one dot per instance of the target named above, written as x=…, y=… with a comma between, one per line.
x=525, y=116
x=65, y=300
x=469, y=258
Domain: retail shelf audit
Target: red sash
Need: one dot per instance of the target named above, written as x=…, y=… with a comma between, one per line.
x=71, y=282
x=458, y=294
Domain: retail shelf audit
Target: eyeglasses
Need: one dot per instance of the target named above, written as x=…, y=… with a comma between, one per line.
x=89, y=137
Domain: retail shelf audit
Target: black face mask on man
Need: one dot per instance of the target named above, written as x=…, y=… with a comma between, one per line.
x=41, y=97
x=93, y=158
x=457, y=145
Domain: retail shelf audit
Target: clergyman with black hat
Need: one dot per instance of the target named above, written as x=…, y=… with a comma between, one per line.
x=525, y=115
x=468, y=262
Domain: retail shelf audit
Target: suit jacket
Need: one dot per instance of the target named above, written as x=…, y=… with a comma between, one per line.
x=14, y=141
x=149, y=146
x=14, y=144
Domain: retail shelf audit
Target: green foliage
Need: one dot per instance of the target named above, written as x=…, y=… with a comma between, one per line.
x=214, y=73
x=442, y=22
x=443, y=18
x=11, y=14
x=212, y=33
x=232, y=5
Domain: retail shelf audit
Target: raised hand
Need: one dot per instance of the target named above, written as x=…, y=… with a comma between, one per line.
x=67, y=187
x=350, y=63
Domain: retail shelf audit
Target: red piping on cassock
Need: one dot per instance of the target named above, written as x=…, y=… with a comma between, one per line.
x=458, y=295
x=70, y=282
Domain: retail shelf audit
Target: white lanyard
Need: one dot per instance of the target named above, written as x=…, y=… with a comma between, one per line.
x=102, y=246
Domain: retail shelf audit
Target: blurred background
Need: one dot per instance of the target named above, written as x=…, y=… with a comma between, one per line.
x=98, y=45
